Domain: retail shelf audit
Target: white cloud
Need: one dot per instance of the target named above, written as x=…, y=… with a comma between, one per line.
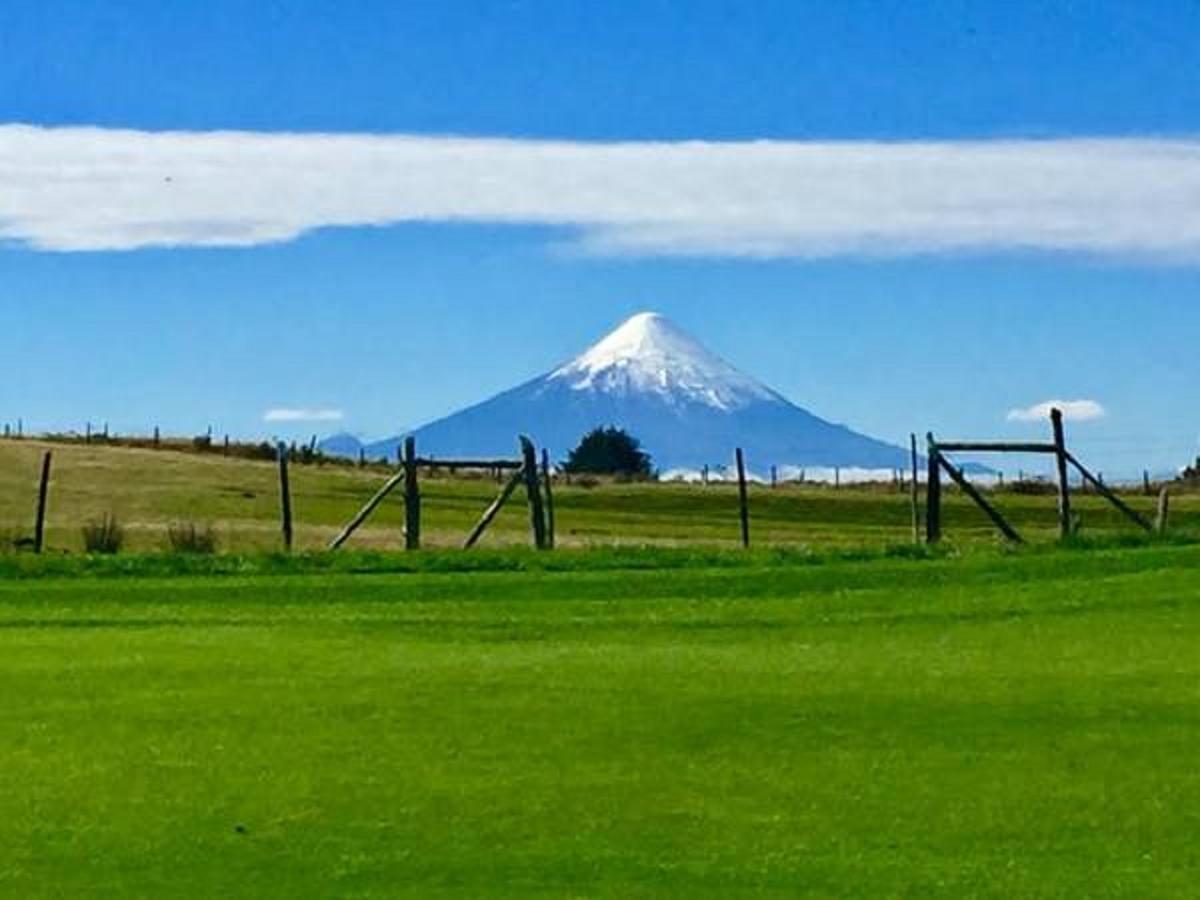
x=288, y=414
x=109, y=189
x=1072, y=410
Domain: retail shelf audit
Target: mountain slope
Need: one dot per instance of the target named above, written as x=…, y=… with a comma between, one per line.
x=688, y=407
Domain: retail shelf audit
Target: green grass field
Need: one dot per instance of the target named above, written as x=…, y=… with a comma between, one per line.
x=149, y=489
x=598, y=724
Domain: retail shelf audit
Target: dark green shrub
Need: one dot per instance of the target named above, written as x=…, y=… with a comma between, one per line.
x=609, y=451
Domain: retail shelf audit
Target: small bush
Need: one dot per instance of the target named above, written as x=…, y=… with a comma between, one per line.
x=104, y=535
x=188, y=537
x=1032, y=487
x=608, y=451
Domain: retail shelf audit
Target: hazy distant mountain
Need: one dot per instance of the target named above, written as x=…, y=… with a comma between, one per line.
x=688, y=407
x=343, y=444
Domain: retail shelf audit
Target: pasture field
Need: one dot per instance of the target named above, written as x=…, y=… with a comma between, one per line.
x=147, y=490
x=606, y=724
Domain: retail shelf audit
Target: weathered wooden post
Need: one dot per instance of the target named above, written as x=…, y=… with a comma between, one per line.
x=971, y=491
x=743, y=500
x=39, y=527
x=490, y=513
x=933, y=492
x=1065, y=525
x=1164, y=510
x=537, y=514
x=914, y=493
x=366, y=510
x=549, y=499
x=285, y=497
x=412, y=496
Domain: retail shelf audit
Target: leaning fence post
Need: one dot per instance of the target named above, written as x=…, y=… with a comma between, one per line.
x=1065, y=525
x=285, y=497
x=933, y=493
x=1164, y=510
x=914, y=493
x=549, y=499
x=412, y=496
x=743, y=503
x=39, y=528
x=537, y=515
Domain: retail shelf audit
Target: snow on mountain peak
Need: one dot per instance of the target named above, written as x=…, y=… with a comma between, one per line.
x=649, y=354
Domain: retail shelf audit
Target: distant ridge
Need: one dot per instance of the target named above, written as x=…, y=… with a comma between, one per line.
x=689, y=407
x=342, y=444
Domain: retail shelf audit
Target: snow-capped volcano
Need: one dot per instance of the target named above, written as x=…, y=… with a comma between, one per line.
x=688, y=407
x=649, y=355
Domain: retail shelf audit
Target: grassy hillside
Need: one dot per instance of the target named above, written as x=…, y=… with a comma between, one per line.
x=148, y=489
x=994, y=725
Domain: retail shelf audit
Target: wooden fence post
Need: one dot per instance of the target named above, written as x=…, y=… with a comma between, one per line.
x=743, y=501
x=39, y=527
x=914, y=493
x=537, y=514
x=1164, y=510
x=1065, y=524
x=933, y=493
x=412, y=496
x=366, y=510
x=285, y=497
x=971, y=491
x=549, y=499
x=490, y=513
x=1101, y=489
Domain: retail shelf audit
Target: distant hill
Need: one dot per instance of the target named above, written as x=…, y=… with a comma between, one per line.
x=688, y=406
x=343, y=444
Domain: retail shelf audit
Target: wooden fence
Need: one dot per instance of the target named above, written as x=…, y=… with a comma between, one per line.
x=938, y=463
x=534, y=475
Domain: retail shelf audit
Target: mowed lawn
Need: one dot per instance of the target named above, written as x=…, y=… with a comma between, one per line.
x=992, y=725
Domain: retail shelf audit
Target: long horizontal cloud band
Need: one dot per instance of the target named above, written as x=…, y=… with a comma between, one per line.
x=107, y=189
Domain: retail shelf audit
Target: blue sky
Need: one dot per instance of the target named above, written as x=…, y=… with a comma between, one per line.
x=399, y=323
